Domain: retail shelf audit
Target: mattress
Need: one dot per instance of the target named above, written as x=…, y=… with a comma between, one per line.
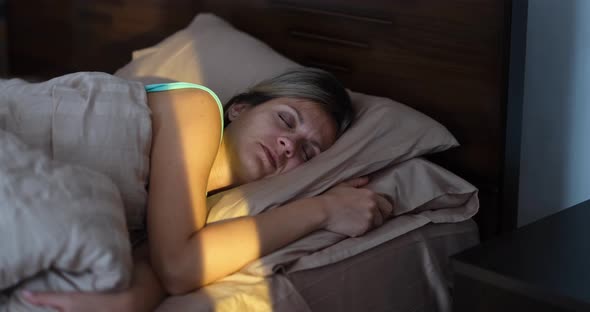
x=409, y=273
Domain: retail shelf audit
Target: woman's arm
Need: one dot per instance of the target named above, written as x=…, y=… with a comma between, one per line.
x=186, y=128
x=187, y=255
x=222, y=248
x=146, y=291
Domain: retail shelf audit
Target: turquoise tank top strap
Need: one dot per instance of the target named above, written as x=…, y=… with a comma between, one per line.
x=158, y=87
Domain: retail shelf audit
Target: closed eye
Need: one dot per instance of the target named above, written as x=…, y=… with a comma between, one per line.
x=308, y=153
x=305, y=155
x=287, y=123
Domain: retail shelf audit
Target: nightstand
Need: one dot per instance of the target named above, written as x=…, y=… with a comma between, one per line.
x=544, y=266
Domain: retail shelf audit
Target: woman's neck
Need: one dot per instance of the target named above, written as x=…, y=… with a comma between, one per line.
x=220, y=177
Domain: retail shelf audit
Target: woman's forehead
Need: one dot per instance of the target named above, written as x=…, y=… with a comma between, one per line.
x=303, y=106
x=315, y=120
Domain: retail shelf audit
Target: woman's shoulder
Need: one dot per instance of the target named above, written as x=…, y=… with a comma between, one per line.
x=185, y=97
x=170, y=86
x=186, y=112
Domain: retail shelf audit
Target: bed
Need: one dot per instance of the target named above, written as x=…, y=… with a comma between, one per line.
x=448, y=60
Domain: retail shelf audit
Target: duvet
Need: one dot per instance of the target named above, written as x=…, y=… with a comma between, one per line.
x=73, y=166
x=62, y=227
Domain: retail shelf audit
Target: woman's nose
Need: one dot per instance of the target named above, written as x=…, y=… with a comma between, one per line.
x=286, y=146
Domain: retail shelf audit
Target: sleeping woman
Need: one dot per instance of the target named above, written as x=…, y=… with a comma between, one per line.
x=272, y=128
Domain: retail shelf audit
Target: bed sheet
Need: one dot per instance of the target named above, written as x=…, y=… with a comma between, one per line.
x=409, y=273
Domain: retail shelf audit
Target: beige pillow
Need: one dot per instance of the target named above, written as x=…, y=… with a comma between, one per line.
x=209, y=52
x=420, y=191
x=213, y=53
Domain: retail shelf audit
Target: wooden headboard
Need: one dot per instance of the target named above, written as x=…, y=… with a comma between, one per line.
x=448, y=59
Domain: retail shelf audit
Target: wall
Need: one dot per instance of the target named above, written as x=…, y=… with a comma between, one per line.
x=555, y=146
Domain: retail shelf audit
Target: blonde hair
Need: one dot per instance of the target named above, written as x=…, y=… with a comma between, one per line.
x=307, y=83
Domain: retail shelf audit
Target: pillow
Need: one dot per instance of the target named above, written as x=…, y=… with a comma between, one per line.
x=209, y=52
x=213, y=53
x=420, y=191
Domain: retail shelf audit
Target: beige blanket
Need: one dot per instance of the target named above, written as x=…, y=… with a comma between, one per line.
x=62, y=227
x=89, y=119
x=69, y=148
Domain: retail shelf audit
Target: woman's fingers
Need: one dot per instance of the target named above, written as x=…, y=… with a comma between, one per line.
x=385, y=206
x=384, y=209
x=54, y=300
x=378, y=218
x=356, y=182
x=353, y=209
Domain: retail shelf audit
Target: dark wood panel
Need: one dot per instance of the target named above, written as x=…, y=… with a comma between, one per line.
x=3, y=37
x=40, y=39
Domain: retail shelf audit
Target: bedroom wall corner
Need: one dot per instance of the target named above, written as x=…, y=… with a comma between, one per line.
x=555, y=148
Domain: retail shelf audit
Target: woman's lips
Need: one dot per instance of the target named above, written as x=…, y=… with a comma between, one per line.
x=269, y=157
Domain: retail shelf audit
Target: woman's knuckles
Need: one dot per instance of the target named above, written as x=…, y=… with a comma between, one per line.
x=366, y=192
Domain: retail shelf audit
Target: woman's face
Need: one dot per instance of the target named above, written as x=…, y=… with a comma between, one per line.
x=276, y=136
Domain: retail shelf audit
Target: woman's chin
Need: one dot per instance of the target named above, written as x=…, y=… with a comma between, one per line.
x=249, y=176
x=255, y=171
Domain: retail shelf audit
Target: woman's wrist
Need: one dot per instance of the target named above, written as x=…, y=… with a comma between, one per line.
x=125, y=300
x=135, y=299
x=319, y=210
x=145, y=292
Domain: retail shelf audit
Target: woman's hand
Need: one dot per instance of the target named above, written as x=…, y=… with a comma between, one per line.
x=353, y=210
x=80, y=302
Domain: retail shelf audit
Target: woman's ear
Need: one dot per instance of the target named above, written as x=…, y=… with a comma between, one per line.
x=236, y=109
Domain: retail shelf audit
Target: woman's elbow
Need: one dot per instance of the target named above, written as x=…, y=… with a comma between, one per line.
x=175, y=279
x=176, y=282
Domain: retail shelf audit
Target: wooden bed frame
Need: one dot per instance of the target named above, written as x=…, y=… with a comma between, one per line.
x=449, y=59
